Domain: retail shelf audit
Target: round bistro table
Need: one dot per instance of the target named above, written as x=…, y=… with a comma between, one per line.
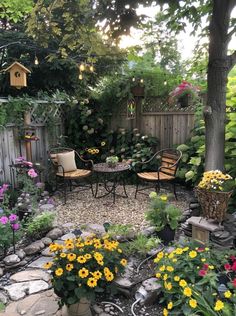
x=111, y=176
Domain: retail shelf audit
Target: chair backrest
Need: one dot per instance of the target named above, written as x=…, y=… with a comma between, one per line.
x=170, y=160
x=55, y=151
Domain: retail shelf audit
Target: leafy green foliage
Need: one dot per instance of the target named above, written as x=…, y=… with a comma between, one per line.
x=15, y=10
x=40, y=225
x=120, y=230
x=141, y=245
x=161, y=213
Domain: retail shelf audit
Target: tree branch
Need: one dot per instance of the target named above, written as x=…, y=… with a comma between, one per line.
x=229, y=35
x=232, y=60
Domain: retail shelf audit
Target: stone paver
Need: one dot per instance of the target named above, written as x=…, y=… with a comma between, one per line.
x=40, y=262
x=29, y=275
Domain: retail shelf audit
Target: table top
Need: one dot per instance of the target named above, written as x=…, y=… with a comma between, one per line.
x=103, y=167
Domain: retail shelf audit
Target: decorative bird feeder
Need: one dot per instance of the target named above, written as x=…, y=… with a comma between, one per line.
x=18, y=75
x=131, y=109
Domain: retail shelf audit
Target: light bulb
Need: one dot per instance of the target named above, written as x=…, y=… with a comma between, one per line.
x=141, y=80
x=91, y=68
x=82, y=67
x=36, y=61
x=133, y=79
x=165, y=83
x=80, y=76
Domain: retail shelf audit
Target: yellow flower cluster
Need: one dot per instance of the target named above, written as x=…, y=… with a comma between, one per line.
x=168, y=274
x=93, y=151
x=87, y=261
x=214, y=180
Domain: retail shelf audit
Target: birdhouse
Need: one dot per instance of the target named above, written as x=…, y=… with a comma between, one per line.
x=18, y=75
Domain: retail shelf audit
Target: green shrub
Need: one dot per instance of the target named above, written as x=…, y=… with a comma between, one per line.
x=141, y=245
x=40, y=225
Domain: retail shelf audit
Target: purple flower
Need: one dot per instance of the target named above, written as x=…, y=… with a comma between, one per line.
x=32, y=173
x=20, y=159
x=13, y=217
x=4, y=220
x=15, y=226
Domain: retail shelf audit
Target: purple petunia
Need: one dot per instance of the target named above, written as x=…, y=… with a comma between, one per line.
x=15, y=226
x=13, y=217
x=4, y=220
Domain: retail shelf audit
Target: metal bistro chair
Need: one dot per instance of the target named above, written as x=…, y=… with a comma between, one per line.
x=168, y=164
x=70, y=168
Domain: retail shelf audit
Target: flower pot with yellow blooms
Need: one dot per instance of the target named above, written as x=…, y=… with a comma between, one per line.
x=81, y=268
x=213, y=193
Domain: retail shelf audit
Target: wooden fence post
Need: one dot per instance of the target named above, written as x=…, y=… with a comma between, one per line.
x=28, y=148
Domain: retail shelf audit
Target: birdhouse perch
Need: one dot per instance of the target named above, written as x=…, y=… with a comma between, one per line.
x=18, y=75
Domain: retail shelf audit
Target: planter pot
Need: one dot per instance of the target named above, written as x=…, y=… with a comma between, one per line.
x=78, y=309
x=138, y=91
x=111, y=164
x=166, y=235
x=214, y=204
x=184, y=101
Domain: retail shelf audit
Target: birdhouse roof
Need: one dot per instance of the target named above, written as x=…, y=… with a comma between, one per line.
x=19, y=65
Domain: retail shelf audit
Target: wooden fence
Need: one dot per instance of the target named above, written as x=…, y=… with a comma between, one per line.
x=171, y=127
x=12, y=146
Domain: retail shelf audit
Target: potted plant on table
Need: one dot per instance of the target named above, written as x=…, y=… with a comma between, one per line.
x=112, y=161
x=81, y=268
x=164, y=216
x=182, y=93
x=213, y=192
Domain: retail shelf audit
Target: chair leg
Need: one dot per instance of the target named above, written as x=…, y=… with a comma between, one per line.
x=174, y=189
x=136, y=191
x=157, y=187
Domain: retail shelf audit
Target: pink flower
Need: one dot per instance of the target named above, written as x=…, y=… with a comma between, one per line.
x=202, y=272
x=233, y=258
x=205, y=266
x=234, y=282
x=200, y=249
x=227, y=266
x=4, y=220
x=15, y=226
x=13, y=217
x=234, y=266
x=32, y=173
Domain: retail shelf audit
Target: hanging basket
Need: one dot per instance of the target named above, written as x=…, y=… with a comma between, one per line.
x=214, y=204
x=138, y=91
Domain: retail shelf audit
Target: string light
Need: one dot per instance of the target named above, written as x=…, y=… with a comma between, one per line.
x=91, y=68
x=36, y=61
x=80, y=77
x=141, y=80
x=82, y=67
x=165, y=83
x=133, y=79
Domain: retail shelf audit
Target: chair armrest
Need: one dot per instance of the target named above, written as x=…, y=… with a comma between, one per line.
x=146, y=162
x=88, y=162
x=60, y=166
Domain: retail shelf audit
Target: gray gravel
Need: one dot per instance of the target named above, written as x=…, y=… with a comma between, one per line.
x=83, y=208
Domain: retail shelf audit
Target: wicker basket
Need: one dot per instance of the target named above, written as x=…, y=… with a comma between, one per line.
x=214, y=204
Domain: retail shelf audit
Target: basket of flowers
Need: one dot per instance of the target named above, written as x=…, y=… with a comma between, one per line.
x=82, y=268
x=213, y=192
x=182, y=93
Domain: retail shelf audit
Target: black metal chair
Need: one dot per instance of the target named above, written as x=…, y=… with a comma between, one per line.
x=81, y=169
x=168, y=161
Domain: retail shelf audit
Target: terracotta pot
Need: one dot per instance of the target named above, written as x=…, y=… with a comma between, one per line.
x=166, y=235
x=79, y=309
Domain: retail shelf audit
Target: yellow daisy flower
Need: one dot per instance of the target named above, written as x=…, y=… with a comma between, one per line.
x=170, y=305
x=83, y=273
x=47, y=265
x=187, y=291
x=69, y=266
x=177, y=278
x=123, y=262
x=227, y=294
x=193, y=303
x=192, y=254
x=165, y=312
x=71, y=256
x=219, y=305
x=92, y=282
x=109, y=276
x=63, y=255
x=182, y=283
x=170, y=268
x=87, y=256
x=81, y=259
x=59, y=272
x=97, y=274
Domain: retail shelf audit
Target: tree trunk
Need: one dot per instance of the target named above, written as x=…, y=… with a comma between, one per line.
x=218, y=68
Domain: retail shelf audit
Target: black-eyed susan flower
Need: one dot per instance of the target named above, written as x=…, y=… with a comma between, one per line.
x=69, y=266
x=123, y=262
x=81, y=259
x=97, y=274
x=59, y=272
x=71, y=256
x=88, y=256
x=63, y=255
x=47, y=265
x=83, y=273
x=92, y=282
x=109, y=276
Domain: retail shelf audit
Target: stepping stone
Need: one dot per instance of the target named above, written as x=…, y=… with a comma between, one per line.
x=11, y=259
x=40, y=262
x=30, y=275
x=47, y=253
x=34, y=248
x=55, y=233
x=68, y=236
x=47, y=241
x=17, y=291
